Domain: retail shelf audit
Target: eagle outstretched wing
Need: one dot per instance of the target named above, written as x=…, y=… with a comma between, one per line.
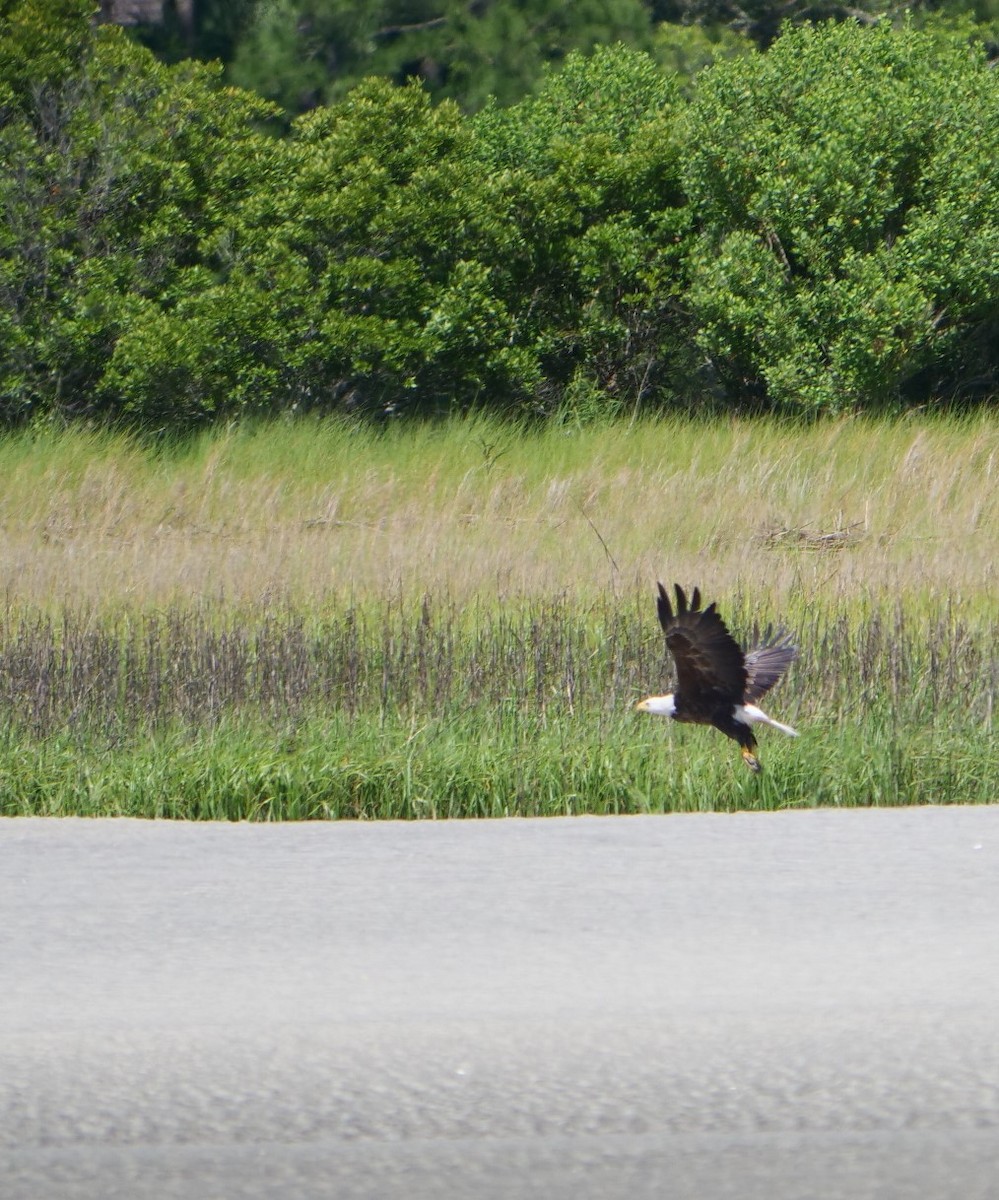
x=710, y=665
x=768, y=662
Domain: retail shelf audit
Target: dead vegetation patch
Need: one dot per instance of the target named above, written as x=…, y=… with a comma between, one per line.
x=809, y=537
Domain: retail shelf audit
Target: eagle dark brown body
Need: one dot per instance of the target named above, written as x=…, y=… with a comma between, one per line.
x=717, y=682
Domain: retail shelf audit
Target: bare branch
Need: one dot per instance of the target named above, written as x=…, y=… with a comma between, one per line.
x=419, y=27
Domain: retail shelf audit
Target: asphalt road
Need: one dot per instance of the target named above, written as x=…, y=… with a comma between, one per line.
x=759, y=1006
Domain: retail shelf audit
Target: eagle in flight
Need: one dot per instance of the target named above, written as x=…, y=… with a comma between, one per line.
x=717, y=682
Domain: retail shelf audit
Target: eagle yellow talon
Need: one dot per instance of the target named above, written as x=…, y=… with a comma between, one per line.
x=751, y=761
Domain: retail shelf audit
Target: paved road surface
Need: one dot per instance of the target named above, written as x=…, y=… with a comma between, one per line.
x=755, y=1007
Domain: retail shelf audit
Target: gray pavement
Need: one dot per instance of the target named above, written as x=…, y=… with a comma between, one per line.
x=756, y=1006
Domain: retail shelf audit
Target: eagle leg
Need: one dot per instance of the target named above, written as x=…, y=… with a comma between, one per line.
x=751, y=761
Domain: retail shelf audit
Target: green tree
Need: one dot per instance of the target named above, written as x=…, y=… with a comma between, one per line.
x=106, y=204
x=686, y=49
x=591, y=167
x=397, y=257
x=42, y=47
x=305, y=52
x=761, y=21
x=326, y=272
x=210, y=29
x=42, y=42
x=302, y=53
x=848, y=201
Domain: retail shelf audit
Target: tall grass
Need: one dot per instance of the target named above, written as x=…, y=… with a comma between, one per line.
x=315, y=619
x=303, y=511
x=438, y=709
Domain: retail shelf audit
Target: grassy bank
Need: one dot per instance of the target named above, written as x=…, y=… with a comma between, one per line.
x=440, y=709
x=314, y=620
x=304, y=510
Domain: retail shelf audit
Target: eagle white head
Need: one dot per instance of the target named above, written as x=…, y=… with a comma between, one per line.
x=663, y=706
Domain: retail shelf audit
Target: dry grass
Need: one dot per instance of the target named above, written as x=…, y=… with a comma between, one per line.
x=310, y=511
x=315, y=620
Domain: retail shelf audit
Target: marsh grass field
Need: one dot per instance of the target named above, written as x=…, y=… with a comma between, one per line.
x=307, y=619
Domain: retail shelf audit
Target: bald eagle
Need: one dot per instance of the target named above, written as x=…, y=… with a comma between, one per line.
x=717, y=683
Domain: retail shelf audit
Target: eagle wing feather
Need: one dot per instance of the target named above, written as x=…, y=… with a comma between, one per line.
x=767, y=663
x=710, y=665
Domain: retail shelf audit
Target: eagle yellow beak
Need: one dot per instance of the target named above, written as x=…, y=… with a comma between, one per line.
x=642, y=706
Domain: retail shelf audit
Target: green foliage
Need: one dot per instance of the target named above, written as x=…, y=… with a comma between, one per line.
x=687, y=49
x=41, y=43
x=349, y=280
x=305, y=52
x=408, y=259
x=302, y=53
x=43, y=46
x=761, y=21
x=429, y=712
x=207, y=30
x=591, y=167
x=820, y=223
x=849, y=207
x=105, y=218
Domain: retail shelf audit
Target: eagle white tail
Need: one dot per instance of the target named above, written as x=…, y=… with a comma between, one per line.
x=749, y=714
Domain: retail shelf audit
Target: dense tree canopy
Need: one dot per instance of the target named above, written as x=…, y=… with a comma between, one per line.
x=301, y=53
x=812, y=228
x=847, y=199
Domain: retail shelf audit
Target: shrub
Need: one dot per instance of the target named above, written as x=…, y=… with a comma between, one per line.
x=591, y=169
x=395, y=256
x=820, y=222
x=848, y=205
x=107, y=214
x=347, y=276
